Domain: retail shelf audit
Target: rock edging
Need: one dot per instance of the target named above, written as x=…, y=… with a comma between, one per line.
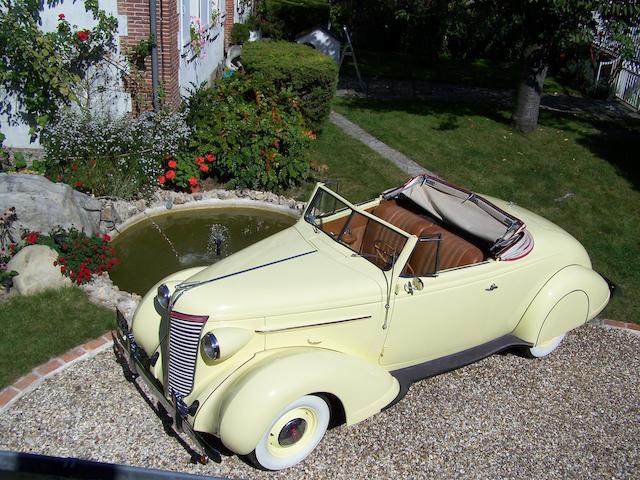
x=116, y=213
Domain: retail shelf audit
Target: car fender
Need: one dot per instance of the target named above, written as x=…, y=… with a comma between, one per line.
x=570, y=298
x=254, y=399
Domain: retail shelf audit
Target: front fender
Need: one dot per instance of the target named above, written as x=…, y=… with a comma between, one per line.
x=255, y=398
x=570, y=298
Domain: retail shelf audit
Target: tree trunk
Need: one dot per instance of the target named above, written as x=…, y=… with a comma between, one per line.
x=532, y=75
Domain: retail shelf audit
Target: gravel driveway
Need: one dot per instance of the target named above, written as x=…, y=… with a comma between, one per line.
x=575, y=414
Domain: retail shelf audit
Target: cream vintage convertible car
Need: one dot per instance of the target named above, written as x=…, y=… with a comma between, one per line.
x=332, y=319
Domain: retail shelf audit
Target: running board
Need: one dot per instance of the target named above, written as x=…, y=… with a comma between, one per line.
x=408, y=375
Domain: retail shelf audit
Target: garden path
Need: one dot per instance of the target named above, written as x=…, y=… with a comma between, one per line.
x=442, y=92
x=399, y=159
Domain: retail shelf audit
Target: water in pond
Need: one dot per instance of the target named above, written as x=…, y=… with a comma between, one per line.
x=161, y=245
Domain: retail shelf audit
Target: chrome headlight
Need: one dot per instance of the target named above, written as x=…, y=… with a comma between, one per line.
x=210, y=346
x=163, y=296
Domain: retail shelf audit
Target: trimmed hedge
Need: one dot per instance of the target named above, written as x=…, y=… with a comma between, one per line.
x=309, y=73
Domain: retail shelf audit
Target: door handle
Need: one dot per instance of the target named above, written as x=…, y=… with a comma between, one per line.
x=491, y=287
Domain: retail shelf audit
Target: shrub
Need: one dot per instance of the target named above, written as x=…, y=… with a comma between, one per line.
x=246, y=134
x=79, y=255
x=311, y=75
x=239, y=33
x=106, y=156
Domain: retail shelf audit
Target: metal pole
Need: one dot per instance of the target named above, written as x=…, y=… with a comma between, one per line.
x=154, y=53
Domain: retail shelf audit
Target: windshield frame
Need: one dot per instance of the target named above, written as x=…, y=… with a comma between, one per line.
x=349, y=211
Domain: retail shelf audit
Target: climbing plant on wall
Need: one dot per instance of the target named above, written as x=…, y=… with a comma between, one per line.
x=42, y=69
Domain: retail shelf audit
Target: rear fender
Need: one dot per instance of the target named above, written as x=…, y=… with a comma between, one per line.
x=570, y=298
x=251, y=403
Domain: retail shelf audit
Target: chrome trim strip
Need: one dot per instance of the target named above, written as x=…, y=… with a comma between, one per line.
x=266, y=330
x=185, y=286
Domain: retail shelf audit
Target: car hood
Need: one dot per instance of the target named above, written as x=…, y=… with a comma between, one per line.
x=283, y=274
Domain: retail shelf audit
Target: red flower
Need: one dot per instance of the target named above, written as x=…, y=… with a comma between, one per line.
x=61, y=16
x=172, y=164
x=60, y=259
x=162, y=179
x=170, y=174
x=200, y=160
x=210, y=157
x=204, y=168
x=31, y=238
x=12, y=247
x=83, y=35
x=63, y=269
x=106, y=237
x=193, y=181
x=77, y=184
x=79, y=279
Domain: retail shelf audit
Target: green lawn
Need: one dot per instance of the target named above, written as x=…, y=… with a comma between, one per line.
x=38, y=327
x=580, y=175
x=477, y=73
x=360, y=172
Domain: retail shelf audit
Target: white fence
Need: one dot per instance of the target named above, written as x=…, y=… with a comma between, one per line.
x=628, y=86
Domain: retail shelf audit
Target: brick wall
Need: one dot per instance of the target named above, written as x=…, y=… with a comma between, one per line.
x=138, y=28
x=228, y=21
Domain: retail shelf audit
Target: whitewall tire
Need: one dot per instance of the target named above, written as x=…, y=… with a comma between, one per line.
x=544, y=349
x=293, y=434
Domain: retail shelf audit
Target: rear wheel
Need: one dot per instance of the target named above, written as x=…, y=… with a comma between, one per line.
x=544, y=349
x=293, y=434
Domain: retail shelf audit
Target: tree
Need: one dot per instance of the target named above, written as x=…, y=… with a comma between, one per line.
x=549, y=25
x=43, y=69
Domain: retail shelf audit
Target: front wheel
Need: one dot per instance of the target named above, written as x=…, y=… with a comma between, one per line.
x=293, y=434
x=544, y=349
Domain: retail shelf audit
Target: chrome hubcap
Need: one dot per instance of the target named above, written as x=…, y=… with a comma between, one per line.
x=292, y=432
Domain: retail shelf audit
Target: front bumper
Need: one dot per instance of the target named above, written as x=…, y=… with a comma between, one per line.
x=134, y=358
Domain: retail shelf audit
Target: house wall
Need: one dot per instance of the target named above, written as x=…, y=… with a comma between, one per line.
x=101, y=89
x=112, y=87
x=196, y=69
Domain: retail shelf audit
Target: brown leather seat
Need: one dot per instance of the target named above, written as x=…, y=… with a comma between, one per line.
x=454, y=251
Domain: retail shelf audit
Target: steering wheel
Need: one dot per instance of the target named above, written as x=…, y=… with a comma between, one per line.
x=384, y=252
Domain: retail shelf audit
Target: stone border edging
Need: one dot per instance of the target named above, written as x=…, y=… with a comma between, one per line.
x=633, y=327
x=117, y=214
x=90, y=349
x=38, y=375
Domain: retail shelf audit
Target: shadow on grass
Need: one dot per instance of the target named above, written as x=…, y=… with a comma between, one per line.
x=614, y=141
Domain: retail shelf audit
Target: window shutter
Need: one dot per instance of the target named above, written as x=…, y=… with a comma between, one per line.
x=205, y=18
x=186, y=35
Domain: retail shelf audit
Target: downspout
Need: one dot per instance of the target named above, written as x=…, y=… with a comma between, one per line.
x=154, y=53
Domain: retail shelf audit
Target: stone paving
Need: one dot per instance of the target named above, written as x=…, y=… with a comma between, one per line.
x=399, y=159
x=441, y=92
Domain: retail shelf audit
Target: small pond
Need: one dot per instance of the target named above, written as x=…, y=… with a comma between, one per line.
x=160, y=245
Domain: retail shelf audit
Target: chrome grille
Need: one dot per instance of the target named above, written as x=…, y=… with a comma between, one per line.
x=184, y=337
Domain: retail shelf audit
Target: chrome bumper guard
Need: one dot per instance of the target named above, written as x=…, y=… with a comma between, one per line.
x=134, y=358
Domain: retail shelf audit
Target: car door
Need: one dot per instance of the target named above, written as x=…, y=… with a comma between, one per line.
x=435, y=316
